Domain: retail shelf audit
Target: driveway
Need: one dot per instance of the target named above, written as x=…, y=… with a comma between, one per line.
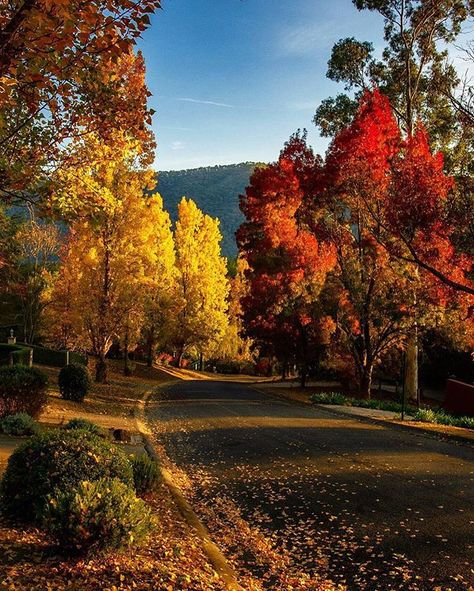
x=368, y=506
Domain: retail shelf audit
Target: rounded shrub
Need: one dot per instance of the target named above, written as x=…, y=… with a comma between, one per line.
x=105, y=514
x=19, y=424
x=146, y=474
x=85, y=425
x=22, y=390
x=74, y=382
x=54, y=461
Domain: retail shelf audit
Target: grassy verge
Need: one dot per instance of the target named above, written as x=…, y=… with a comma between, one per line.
x=343, y=400
x=439, y=417
x=424, y=415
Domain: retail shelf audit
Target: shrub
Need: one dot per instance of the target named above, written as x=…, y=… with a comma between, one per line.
x=58, y=460
x=22, y=389
x=74, y=382
x=19, y=424
x=146, y=474
x=98, y=515
x=88, y=426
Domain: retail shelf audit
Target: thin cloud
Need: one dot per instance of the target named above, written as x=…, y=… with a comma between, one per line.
x=177, y=146
x=199, y=102
x=307, y=38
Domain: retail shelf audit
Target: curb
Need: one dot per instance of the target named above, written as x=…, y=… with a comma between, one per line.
x=213, y=552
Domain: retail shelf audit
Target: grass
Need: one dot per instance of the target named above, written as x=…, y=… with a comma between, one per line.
x=343, y=400
x=439, y=417
x=423, y=415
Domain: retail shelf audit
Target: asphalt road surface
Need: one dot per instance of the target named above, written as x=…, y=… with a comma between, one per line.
x=368, y=506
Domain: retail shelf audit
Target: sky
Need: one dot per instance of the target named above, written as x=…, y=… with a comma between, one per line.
x=231, y=80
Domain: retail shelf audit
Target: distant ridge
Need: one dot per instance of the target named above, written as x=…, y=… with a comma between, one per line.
x=216, y=191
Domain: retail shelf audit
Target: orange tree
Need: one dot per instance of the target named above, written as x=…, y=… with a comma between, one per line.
x=66, y=69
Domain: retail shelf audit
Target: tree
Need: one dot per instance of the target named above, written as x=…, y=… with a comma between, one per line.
x=287, y=263
x=412, y=72
x=202, y=285
x=66, y=69
x=39, y=244
x=389, y=198
x=110, y=261
x=160, y=295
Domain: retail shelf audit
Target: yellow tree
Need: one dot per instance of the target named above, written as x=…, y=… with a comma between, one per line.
x=110, y=262
x=160, y=297
x=202, y=285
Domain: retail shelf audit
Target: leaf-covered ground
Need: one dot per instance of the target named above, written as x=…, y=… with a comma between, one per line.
x=172, y=559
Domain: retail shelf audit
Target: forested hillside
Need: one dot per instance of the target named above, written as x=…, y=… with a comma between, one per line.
x=216, y=191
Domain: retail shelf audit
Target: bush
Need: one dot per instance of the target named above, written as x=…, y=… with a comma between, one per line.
x=88, y=426
x=74, y=382
x=22, y=390
x=146, y=474
x=58, y=460
x=19, y=424
x=98, y=515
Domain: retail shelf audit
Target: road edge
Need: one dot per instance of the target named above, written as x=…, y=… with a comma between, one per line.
x=212, y=551
x=419, y=428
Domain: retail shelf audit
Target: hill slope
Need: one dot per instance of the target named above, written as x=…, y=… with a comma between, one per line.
x=216, y=191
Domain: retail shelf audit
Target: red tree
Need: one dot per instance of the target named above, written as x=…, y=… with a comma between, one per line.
x=288, y=264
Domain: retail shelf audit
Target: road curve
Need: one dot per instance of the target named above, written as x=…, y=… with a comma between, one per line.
x=368, y=506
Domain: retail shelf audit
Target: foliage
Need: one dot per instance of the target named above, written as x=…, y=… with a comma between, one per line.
x=99, y=515
x=439, y=417
x=146, y=474
x=109, y=266
x=39, y=244
x=19, y=424
x=74, y=382
x=287, y=263
x=66, y=69
x=54, y=461
x=202, y=285
x=86, y=426
x=22, y=389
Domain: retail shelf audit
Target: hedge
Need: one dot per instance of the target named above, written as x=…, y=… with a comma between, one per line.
x=20, y=354
x=54, y=358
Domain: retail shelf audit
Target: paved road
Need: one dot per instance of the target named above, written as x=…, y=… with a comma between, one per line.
x=369, y=506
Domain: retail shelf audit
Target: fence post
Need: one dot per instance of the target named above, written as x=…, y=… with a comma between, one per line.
x=30, y=358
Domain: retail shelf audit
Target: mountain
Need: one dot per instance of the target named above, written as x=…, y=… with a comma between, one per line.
x=215, y=189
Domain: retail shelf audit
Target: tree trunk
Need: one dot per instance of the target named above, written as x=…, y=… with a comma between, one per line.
x=201, y=361
x=180, y=357
x=126, y=365
x=411, y=369
x=366, y=382
x=150, y=347
x=101, y=370
x=303, y=375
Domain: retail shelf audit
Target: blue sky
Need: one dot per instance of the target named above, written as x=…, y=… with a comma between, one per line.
x=232, y=79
